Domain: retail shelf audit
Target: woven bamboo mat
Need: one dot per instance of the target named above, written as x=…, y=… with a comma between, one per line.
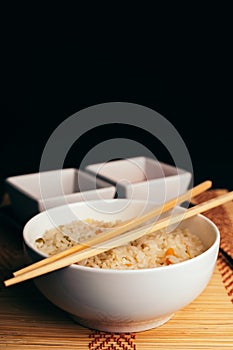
x=29, y=321
x=223, y=217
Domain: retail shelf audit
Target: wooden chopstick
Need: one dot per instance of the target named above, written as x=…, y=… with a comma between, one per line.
x=121, y=229
x=111, y=233
x=121, y=240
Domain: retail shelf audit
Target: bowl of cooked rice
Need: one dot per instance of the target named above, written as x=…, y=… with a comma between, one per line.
x=131, y=288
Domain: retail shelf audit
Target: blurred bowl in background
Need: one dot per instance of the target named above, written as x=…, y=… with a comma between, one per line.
x=33, y=193
x=143, y=178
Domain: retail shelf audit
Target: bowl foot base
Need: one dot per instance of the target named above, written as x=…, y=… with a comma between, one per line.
x=122, y=327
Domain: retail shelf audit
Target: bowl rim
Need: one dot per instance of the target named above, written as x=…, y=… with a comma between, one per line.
x=213, y=246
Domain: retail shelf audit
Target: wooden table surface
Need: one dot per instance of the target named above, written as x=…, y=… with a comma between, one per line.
x=29, y=321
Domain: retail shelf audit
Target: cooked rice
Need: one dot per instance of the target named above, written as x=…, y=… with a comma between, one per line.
x=152, y=250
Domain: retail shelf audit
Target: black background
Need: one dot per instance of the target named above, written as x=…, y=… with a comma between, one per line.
x=177, y=62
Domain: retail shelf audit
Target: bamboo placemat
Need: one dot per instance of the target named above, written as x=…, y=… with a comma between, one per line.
x=223, y=217
x=29, y=321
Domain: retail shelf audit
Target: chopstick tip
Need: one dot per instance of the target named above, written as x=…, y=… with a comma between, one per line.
x=7, y=283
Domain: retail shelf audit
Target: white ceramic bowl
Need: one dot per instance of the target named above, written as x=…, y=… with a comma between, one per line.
x=143, y=178
x=116, y=300
x=33, y=193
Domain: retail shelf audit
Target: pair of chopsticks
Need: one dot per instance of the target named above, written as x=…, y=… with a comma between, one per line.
x=120, y=235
